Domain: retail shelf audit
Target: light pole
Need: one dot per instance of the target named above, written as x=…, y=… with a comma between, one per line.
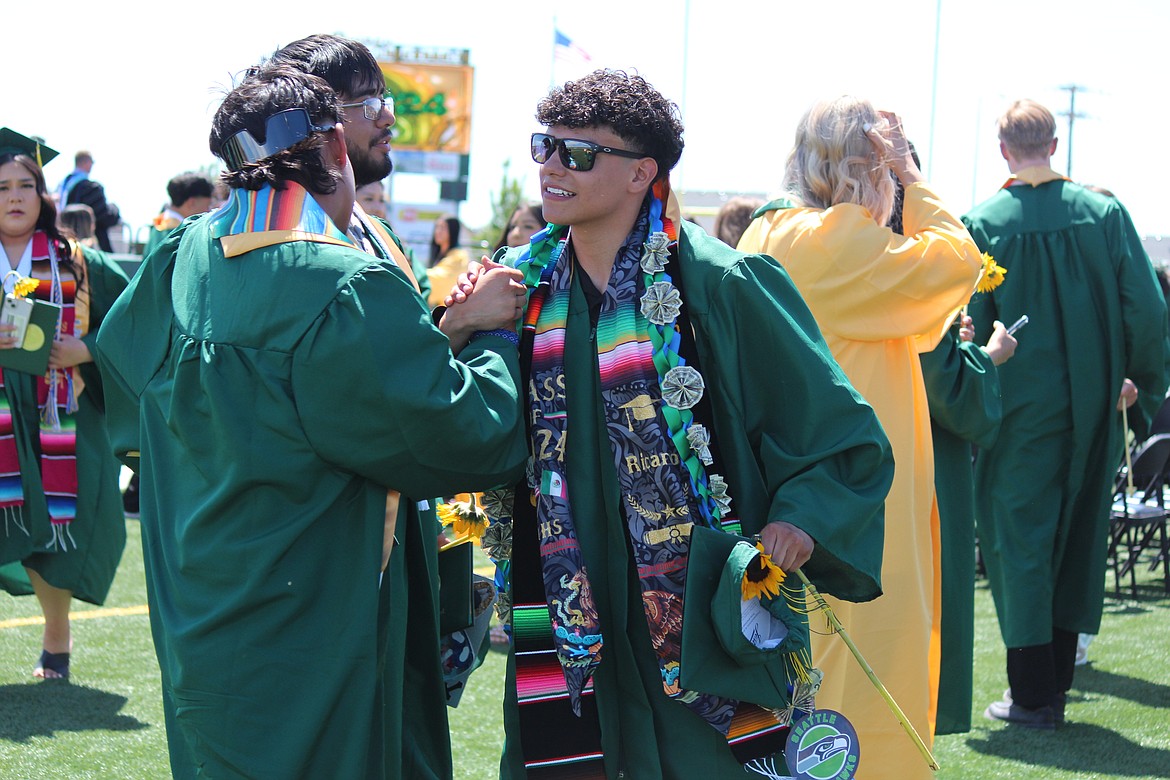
x=1072, y=115
x=934, y=88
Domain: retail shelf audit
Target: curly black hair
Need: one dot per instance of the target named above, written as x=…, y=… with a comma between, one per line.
x=626, y=104
x=266, y=91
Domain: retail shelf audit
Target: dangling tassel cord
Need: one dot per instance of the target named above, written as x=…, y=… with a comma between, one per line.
x=767, y=768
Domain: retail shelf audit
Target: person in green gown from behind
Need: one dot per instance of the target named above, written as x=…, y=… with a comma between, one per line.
x=1097, y=341
x=276, y=382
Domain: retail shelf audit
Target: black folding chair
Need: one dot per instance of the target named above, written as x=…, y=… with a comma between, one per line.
x=1161, y=421
x=1159, y=424
x=1137, y=522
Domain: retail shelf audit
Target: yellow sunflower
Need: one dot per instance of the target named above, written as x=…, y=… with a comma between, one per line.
x=992, y=275
x=24, y=286
x=465, y=518
x=762, y=577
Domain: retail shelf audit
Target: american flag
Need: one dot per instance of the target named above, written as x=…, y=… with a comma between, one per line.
x=567, y=52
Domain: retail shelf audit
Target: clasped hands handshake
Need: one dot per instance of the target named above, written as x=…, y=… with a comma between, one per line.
x=488, y=296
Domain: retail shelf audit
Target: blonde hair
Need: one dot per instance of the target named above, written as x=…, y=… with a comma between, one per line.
x=833, y=160
x=1027, y=129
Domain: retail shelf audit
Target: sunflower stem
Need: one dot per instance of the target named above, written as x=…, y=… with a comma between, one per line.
x=865, y=667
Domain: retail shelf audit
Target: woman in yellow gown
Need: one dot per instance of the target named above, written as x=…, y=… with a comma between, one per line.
x=880, y=299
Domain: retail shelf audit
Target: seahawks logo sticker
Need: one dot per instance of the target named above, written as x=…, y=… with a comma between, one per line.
x=823, y=746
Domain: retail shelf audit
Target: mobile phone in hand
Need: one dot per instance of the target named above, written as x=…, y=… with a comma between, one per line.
x=1021, y=322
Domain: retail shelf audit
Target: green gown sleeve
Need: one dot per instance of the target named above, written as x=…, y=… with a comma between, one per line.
x=962, y=388
x=106, y=282
x=1140, y=304
x=433, y=423
x=132, y=344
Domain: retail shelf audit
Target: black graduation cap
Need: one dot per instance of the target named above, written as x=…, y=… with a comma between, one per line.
x=12, y=142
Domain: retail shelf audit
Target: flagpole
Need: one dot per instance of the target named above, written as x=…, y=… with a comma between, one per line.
x=934, y=89
x=552, y=69
x=685, y=56
x=682, y=104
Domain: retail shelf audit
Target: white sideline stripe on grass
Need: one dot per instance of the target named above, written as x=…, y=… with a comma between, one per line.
x=88, y=614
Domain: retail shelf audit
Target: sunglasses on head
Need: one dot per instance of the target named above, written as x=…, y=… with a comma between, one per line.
x=576, y=155
x=281, y=130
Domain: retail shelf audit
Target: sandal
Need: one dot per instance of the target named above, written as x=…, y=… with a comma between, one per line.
x=58, y=663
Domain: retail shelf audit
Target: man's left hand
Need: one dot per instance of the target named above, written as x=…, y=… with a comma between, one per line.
x=1129, y=395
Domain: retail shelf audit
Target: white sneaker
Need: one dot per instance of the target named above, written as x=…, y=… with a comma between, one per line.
x=1083, y=642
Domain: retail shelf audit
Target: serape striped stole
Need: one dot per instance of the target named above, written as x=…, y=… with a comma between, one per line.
x=252, y=219
x=556, y=742
x=56, y=400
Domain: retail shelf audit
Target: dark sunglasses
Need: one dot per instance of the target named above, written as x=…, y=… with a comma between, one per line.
x=281, y=130
x=576, y=155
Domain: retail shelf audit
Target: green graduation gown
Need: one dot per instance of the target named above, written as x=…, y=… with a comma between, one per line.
x=962, y=388
x=274, y=397
x=1076, y=267
x=797, y=443
x=154, y=239
x=99, y=528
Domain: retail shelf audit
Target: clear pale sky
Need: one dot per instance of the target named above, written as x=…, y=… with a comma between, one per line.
x=138, y=88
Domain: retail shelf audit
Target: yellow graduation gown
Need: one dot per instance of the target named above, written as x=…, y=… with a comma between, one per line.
x=880, y=299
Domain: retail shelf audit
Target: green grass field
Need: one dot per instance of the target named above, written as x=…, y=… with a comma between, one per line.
x=108, y=722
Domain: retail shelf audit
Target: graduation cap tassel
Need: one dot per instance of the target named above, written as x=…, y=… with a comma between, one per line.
x=865, y=667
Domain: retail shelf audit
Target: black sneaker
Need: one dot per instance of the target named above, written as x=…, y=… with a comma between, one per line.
x=1010, y=712
x=1057, y=707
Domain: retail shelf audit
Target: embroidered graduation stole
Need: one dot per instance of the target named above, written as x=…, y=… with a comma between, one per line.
x=660, y=456
x=11, y=488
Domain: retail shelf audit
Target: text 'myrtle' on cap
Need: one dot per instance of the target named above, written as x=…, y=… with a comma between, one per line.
x=12, y=142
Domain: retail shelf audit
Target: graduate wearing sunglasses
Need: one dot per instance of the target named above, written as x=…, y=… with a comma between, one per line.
x=680, y=399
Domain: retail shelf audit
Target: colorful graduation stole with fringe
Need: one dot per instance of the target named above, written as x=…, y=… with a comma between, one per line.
x=57, y=393
x=11, y=488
